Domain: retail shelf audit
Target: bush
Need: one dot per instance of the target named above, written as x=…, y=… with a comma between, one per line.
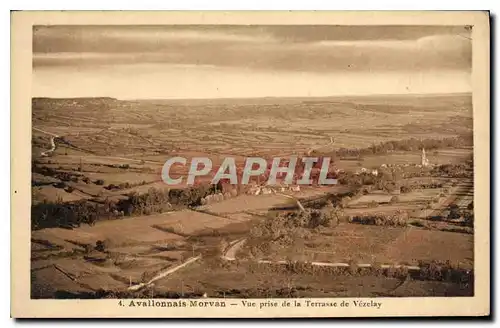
x=101, y=246
x=468, y=219
x=99, y=182
x=405, y=189
x=111, y=187
x=70, y=189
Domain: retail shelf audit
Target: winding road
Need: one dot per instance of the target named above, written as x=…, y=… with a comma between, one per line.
x=52, y=141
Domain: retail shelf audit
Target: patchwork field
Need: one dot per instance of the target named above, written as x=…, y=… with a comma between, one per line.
x=109, y=153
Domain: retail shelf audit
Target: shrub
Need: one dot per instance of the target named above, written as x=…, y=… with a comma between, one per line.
x=99, y=182
x=101, y=245
x=454, y=213
x=112, y=187
x=405, y=189
x=468, y=219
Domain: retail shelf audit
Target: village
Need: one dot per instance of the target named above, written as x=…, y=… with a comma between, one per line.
x=256, y=187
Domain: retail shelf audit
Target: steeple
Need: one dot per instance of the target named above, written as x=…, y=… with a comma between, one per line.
x=425, y=161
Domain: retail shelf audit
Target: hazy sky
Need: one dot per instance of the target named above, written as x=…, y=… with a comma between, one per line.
x=130, y=62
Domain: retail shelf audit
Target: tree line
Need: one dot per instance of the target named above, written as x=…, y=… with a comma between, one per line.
x=411, y=144
x=72, y=214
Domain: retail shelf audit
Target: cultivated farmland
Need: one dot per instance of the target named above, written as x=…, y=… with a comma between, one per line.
x=105, y=224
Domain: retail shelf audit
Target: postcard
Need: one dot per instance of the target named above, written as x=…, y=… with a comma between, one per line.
x=250, y=164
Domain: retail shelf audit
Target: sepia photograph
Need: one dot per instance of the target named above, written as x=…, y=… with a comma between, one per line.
x=262, y=166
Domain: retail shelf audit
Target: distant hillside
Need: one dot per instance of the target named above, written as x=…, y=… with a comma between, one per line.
x=417, y=100
x=76, y=103
x=308, y=100
x=77, y=99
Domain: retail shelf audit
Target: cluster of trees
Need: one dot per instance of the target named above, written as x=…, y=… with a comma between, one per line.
x=461, y=170
x=124, y=185
x=154, y=201
x=275, y=227
x=396, y=219
x=61, y=175
x=444, y=271
x=415, y=186
x=386, y=181
x=290, y=229
x=411, y=144
x=73, y=214
x=391, y=181
x=60, y=214
x=157, y=200
x=118, y=166
x=351, y=179
x=313, y=218
x=467, y=215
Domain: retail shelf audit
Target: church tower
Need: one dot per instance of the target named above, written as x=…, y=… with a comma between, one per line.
x=425, y=161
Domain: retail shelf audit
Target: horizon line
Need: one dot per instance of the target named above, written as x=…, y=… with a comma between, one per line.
x=267, y=97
